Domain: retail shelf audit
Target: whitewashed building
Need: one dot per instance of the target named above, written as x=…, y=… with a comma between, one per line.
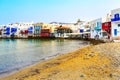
x=9, y=30
x=115, y=22
x=96, y=28
x=17, y=30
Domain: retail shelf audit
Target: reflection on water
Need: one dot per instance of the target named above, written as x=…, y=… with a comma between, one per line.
x=15, y=54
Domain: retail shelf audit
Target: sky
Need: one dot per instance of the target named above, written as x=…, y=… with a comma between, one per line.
x=12, y=11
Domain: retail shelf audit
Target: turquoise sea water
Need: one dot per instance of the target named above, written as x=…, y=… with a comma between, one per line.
x=16, y=54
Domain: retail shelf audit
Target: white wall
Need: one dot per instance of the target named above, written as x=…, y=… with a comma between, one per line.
x=115, y=26
x=114, y=12
x=115, y=23
x=93, y=24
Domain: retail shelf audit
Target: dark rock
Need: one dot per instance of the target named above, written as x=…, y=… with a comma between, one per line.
x=111, y=75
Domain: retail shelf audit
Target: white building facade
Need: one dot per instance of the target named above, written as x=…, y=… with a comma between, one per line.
x=115, y=21
x=96, y=28
x=14, y=30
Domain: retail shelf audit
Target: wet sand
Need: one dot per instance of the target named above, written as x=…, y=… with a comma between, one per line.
x=99, y=62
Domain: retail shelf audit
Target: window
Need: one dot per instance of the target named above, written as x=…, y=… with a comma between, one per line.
x=115, y=32
x=116, y=16
x=104, y=33
x=118, y=25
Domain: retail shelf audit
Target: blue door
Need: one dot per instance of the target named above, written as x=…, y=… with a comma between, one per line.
x=115, y=32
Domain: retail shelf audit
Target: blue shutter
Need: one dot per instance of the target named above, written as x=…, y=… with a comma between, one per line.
x=115, y=32
x=81, y=30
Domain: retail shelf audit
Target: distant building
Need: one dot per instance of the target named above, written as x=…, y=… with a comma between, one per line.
x=62, y=31
x=37, y=29
x=25, y=29
x=9, y=30
x=106, y=26
x=47, y=30
x=96, y=28
x=17, y=30
x=115, y=21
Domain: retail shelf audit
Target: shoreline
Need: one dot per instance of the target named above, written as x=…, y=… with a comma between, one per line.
x=79, y=63
x=42, y=60
x=92, y=41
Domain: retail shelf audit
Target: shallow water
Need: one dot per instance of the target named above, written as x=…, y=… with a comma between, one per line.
x=16, y=54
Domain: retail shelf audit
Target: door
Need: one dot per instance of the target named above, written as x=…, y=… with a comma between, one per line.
x=115, y=32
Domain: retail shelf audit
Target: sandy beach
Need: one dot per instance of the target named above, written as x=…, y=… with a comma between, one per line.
x=95, y=62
